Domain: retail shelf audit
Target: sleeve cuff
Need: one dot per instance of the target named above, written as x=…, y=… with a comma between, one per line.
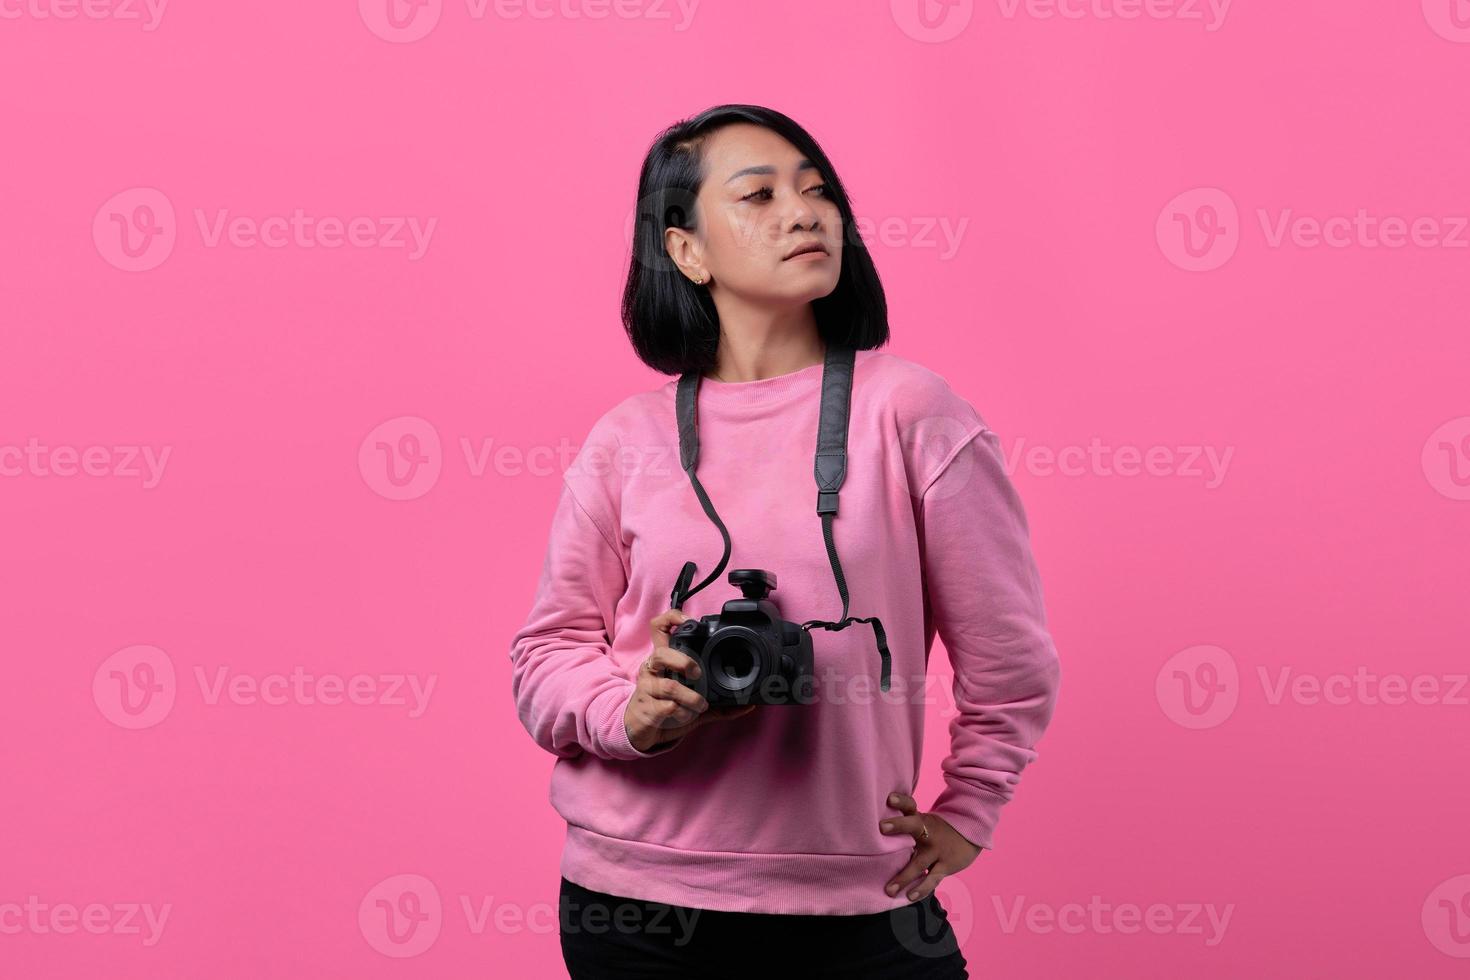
x=611, y=733
x=974, y=815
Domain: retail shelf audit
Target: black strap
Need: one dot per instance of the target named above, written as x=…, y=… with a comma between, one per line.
x=829, y=467
x=689, y=458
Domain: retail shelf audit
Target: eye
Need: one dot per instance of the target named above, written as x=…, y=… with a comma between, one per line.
x=767, y=192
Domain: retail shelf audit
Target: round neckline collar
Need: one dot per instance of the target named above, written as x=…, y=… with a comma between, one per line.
x=749, y=399
x=774, y=383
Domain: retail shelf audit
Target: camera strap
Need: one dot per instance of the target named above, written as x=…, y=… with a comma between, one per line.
x=829, y=467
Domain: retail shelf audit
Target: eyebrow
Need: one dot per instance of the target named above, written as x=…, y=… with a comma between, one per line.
x=767, y=169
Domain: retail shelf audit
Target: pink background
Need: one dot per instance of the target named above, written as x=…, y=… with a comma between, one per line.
x=1070, y=153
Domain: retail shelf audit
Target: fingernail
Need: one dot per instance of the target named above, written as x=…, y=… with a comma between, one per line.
x=886, y=825
x=893, y=798
x=913, y=895
x=891, y=889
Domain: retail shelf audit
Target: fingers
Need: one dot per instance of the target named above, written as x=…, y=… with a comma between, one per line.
x=923, y=859
x=925, y=856
x=903, y=802
x=668, y=727
x=911, y=824
x=667, y=658
x=666, y=701
x=660, y=626
x=929, y=882
x=669, y=690
x=665, y=712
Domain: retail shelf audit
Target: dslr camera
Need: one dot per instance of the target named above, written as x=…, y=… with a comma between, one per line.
x=747, y=653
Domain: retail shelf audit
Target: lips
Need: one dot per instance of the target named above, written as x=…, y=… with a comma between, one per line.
x=803, y=249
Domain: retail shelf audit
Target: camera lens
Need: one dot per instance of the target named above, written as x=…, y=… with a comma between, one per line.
x=734, y=659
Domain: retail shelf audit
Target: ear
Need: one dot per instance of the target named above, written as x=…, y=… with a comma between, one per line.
x=684, y=250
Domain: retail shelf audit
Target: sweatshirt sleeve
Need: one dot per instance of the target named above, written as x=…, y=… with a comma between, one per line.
x=569, y=692
x=985, y=600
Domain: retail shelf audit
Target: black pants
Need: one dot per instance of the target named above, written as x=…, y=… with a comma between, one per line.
x=608, y=937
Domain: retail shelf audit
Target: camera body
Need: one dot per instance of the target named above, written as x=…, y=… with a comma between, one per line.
x=748, y=654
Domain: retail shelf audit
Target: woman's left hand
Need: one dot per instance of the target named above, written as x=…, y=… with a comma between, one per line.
x=942, y=851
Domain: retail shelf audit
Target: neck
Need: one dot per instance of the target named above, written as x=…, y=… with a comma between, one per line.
x=756, y=349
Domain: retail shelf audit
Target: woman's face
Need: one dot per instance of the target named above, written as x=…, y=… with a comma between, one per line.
x=760, y=200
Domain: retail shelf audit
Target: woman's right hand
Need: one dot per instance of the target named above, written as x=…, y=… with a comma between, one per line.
x=663, y=709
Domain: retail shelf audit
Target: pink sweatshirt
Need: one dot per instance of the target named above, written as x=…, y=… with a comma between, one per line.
x=778, y=811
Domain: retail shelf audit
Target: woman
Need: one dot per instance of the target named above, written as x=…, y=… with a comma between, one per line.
x=785, y=840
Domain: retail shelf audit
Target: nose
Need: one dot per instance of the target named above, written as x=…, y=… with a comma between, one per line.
x=801, y=213
x=803, y=216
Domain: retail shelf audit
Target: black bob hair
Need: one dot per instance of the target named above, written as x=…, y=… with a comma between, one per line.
x=671, y=322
